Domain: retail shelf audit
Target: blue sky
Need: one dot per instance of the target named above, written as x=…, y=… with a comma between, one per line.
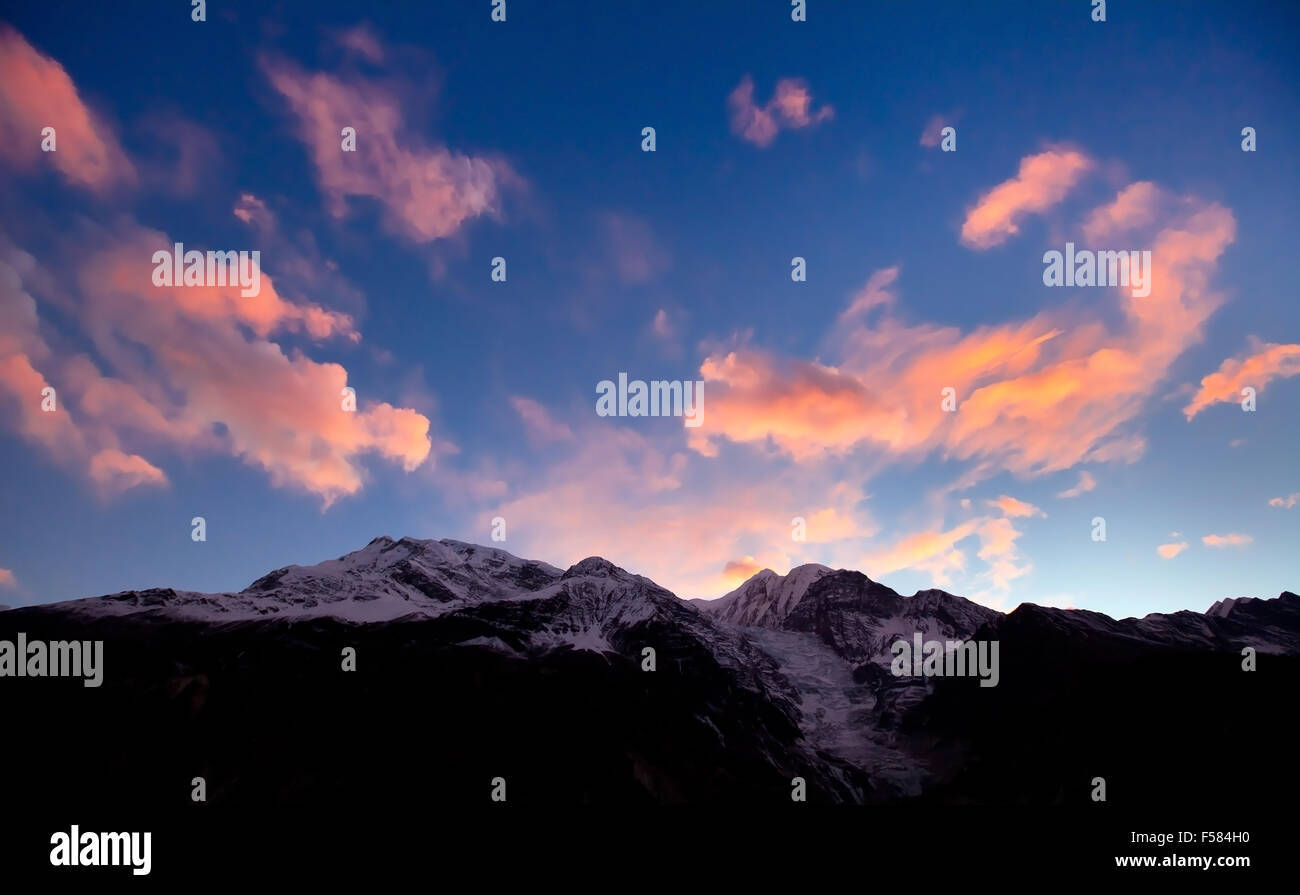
x=602, y=240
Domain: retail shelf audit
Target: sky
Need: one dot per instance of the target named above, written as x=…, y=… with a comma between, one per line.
x=824, y=397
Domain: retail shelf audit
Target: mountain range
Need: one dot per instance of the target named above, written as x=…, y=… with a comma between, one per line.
x=593, y=685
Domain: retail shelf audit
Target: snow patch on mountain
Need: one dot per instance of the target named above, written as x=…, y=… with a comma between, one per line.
x=837, y=713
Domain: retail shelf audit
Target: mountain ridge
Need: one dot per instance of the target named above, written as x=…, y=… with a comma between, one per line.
x=598, y=675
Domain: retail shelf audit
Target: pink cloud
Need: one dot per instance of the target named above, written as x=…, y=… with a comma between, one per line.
x=115, y=472
x=1135, y=206
x=1228, y=540
x=874, y=294
x=1042, y=182
x=1169, y=551
x=542, y=429
x=1284, y=503
x=661, y=326
x=8, y=579
x=36, y=92
x=1256, y=369
x=649, y=506
x=364, y=42
x=427, y=192
x=253, y=211
x=790, y=108
x=932, y=132
x=1086, y=484
x=636, y=255
x=192, y=368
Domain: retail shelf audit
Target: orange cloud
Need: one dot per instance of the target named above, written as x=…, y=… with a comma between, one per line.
x=830, y=524
x=804, y=407
x=1043, y=181
x=1266, y=363
x=1035, y=396
x=921, y=550
x=1285, y=503
x=1169, y=551
x=427, y=192
x=935, y=552
x=658, y=510
x=35, y=93
x=1012, y=507
x=7, y=578
x=741, y=570
x=790, y=107
x=1228, y=540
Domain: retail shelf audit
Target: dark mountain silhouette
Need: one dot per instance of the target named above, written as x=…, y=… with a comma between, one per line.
x=473, y=664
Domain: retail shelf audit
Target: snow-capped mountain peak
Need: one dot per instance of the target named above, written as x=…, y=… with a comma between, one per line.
x=766, y=598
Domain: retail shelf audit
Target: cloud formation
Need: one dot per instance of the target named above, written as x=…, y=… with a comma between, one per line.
x=36, y=92
x=1228, y=540
x=1169, y=551
x=190, y=368
x=1035, y=396
x=427, y=192
x=790, y=108
x=1257, y=368
x=1012, y=507
x=1086, y=484
x=1042, y=182
x=538, y=424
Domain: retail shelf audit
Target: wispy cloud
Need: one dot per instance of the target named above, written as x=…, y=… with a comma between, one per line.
x=427, y=191
x=542, y=429
x=932, y=131
x=1228, y=540
x=790, y=108
x=1260, y=366
x=1086, y=484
